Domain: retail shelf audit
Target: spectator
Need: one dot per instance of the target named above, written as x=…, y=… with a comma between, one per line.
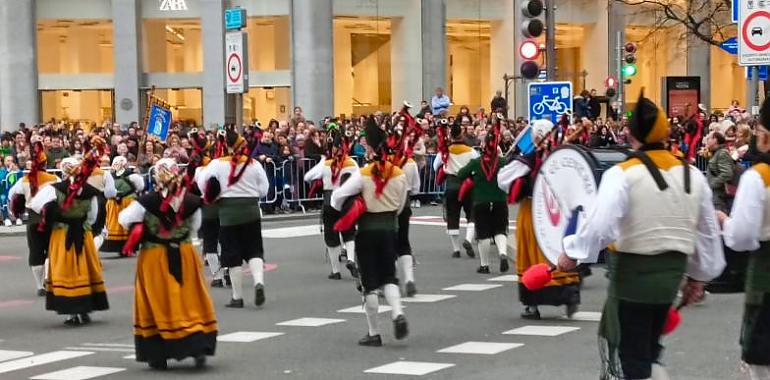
x=267, y=150
x=582, y=109
x=720, y=170
x=594, y=108
x=313, y=147
x=9, y=174
x=742, y=140
x=499, y=104
x=440, y=102
x=55, y=153
x=175, y=150
x=297, y=117
x=359, y=148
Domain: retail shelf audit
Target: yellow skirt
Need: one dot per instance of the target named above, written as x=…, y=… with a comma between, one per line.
x=561, y=290
x=75, y=284
x=172, y=320
x=116, y=234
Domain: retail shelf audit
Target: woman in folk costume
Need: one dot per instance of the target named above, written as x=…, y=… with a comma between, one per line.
x=75, y=284
x=490, y=209
x=378, y=195
x=453, y=156
x=173, y=314
x=748, y=229
x=128, y=186
x=332, y=173
x=517, y=179
x=237, y=182
x=103, y=182
x=407, y=134
x=20, y=196
x=655, y=213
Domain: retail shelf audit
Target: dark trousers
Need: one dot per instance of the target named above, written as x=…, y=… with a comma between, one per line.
x=491, y=219
x=641, y=326
x=209, y=232
x=330, y=216
x=240, y=243
x=404, y=247
x=452, y=207
x=376, y=254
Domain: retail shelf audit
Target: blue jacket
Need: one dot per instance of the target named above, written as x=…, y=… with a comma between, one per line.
x=439, y=105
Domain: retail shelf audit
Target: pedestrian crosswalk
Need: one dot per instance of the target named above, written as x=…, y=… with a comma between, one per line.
x=78, y=373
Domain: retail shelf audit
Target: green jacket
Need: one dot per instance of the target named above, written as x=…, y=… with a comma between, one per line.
x=720, y=173
x=484, y=191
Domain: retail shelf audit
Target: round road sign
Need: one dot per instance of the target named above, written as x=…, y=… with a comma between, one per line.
x=756, y=31
x=234, y=68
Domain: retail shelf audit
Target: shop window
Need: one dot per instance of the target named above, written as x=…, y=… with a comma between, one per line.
x=85, y=106
x=269, y=43
x=265, y=103
x=172, y=45
x=74, y=46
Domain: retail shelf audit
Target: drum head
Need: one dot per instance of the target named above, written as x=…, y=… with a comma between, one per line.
x=567, y=179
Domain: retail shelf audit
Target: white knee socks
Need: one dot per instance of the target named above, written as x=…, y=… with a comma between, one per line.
x=333, y=253
x=213, y=260
x=659, y=373
x=406, y=263
x=393, y=296
x=759, y=372
x=372, y=306
x=501, y=241
x=470, y=232
x=350, y=248
x=45, y=271
x=236, y=276
x=485, y=245
x=257, y=267
x=37, y=273
x=454, y=238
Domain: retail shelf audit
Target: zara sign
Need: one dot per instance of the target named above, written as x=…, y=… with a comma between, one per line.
x=173, y=5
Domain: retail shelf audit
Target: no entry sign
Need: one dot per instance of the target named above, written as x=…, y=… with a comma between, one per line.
x=754, y=33
x=236, y=67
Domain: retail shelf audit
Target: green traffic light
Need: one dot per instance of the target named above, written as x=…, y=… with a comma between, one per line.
x=629, y=70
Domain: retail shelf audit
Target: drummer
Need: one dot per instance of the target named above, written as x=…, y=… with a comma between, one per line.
x=655, y=225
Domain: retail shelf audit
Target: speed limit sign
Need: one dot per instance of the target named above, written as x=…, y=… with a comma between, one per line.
x=236, y=63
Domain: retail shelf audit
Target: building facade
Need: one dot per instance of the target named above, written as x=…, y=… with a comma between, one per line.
x=96, y=60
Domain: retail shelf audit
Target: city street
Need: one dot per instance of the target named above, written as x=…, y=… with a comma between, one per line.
x=467, y=326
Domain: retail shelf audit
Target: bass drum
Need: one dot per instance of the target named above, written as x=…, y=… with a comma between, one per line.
x=568, y=178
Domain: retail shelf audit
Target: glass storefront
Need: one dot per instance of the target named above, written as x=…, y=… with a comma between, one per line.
x=74, y=46
x=265, y=103
x=172, y=45
x=468, y=63
x=87, y=106
x=186, y=103
x=269, y=43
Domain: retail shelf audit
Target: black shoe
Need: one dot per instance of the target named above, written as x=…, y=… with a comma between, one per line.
x=484, y=269
x=352, y=268
x=158, y=364
x=411, y=290
x=85, y=319
x=217, y=283
x=259, y=294
x=200, y=361
x=41, y=292
x=531, y=312
x=572, y=309
x=335, y=276
x=235, y=304
x=371, y=341
x=456, y=254
x=359, y=287
x=400, y=327
x=73, y=320
x=503, y=263
x=469, y=249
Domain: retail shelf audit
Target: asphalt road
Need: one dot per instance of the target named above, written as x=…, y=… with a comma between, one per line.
x=704, y=347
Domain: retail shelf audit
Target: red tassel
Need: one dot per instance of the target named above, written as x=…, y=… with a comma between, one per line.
x=440, y=176
x=537, y=277
x=347, y=221
x=134, y=238
x=673, y=321
x=317, y=184
x=515, y=190
x=465, y=188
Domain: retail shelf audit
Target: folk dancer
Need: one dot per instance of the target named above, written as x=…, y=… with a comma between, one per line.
x=657, y=213
x=75, y=286
x=174, y=317
x=517, y=179
x=453, y=157
x=104, y=183
x=21, y=195
x=128, y=185
x=237, y=182
x=748, y=229
x=332, y=172
x=490, y=209
x=379, y=194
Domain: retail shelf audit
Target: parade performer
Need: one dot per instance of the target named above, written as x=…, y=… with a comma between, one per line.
x=656, y=211
x=453, y=157
x=332, y=172
x=75, y=284
x=20, y=196
x=127, y=185
x=517, y=178
x=378, y=195
x=173, y=314
x=103, y=182
x=490, y=209
x=237, y=182
x=748, y=229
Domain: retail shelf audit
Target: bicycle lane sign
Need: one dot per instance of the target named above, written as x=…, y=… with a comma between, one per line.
x=549, y=100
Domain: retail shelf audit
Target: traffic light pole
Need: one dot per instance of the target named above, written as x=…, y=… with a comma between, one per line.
x=550, y=39
x=621, y=79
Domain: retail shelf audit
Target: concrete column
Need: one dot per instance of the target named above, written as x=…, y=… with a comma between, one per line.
x=434, y=43
x=596, y=61
x=406, y=55
x=18, y=64
x=213, y=41
x=126, y=36
x=699, y=65
x=501, y=53
x=312, y=63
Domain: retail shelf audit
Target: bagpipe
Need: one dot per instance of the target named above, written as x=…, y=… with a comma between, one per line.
x=442, y=146
x=490, y=157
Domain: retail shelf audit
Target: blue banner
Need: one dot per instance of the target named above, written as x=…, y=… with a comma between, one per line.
x=158, y=121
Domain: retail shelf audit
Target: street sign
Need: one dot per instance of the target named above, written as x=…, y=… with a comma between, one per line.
x=763, y=72
x=235, y=18
x=549, y=100
x=734, y=11
x=236, y=63
x=730, y=45
x=754, y=33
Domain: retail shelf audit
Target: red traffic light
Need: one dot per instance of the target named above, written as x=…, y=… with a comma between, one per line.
x=610, y=82
x=630, y=48
x=529, y=50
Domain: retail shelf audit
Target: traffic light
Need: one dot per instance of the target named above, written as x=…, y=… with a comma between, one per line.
x=629, y=67
x=531, y=28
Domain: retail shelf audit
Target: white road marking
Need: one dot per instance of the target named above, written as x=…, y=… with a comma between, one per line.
x=247, y=336
x=37, y=360
x=8, y=355
x=505, y=278
x=409, y=368
x=541, y=330
x=78, y=373
x=427, y=298
x=291, y=232
x=310, y=322
x=360, y=310
x=100, y=349
x=585, y=316
x=130, y=357
x=471, y=287
x=480, y=348
x=109, y=345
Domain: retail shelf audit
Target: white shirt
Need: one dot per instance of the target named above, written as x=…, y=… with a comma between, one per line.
x=610, y=209
x=509, y=173
x=135, y=179
x=47, y=194
x=253, y=182
x=134, y=213
x=742, y=231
